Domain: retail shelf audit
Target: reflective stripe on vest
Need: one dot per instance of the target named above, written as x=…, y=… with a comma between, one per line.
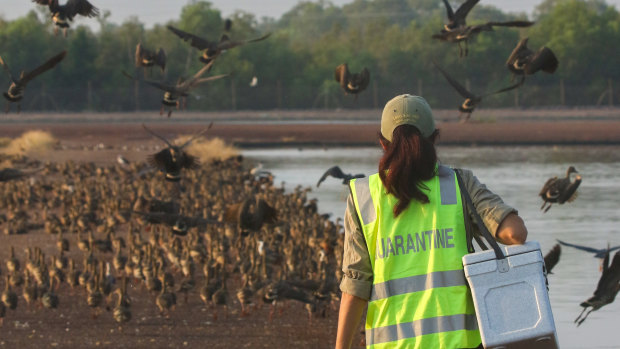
x=419, y=295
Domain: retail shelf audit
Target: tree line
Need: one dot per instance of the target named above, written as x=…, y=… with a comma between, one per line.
x=295, y=65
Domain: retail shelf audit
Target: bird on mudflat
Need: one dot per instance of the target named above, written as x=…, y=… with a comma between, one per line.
x=173, y=159
x=560, y=190
x=15, y=93
x=7, y=174
x=336, y=172
x=172, y=92
x=457, y=31
x=471, y=100
x=251, y=214
x=147, y=58
x=63, y=14
x=606, y=289
x=179, y=223
x=213, y=49
x=351, y=83
x=552, y=258
x=523, y=61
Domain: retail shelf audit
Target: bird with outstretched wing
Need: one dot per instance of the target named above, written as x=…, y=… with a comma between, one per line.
x=336, y=172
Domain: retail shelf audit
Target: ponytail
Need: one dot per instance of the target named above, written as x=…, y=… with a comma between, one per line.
x=407, y=161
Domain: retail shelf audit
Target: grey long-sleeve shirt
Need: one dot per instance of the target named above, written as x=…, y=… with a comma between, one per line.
x=356, y=266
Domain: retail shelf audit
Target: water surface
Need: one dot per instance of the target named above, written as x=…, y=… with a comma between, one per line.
x=516, y=174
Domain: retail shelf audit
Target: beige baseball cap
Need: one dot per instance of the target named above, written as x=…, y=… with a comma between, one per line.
x=407, y=110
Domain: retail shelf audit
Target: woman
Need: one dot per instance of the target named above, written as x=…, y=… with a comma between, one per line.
x=405, y=235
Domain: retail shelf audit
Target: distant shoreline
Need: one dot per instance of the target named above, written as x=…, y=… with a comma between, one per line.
x=245, y=129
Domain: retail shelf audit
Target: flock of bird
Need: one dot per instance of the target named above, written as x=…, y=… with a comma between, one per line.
x=237, y=227
x=522, y=61
x=123, y=231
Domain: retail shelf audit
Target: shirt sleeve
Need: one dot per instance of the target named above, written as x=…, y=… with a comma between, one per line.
x=356, y=267
x=489, y=205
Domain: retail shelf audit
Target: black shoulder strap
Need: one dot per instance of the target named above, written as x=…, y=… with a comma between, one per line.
x=483, y=229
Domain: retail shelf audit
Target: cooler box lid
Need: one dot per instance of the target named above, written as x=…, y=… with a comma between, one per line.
x=511, y=250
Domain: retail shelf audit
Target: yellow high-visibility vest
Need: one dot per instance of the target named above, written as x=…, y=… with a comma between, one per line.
x=420, y=297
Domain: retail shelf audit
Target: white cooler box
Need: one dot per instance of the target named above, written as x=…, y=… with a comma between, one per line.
x=511, y=299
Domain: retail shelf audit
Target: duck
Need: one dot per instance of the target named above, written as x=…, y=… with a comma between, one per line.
x=12, y=263
x=49, y=298
x=147, y=58
x=606, y=289
x=560, y=190
x=63, y=14
x=336, y=172
x=212, y=49
x=173, y=92
x=9, y=297
x=220, y=296
x=15, y=92
x=244, y=295
x=173, y=159
x=352, y=83
x=523, y=61
x=166, y=300
x=471, y=100
x=30, y=292
x=464, y=33
x=122, y=311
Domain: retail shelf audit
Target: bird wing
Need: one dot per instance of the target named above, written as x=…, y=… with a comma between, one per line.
x=341, y=74
x=549, y=184
x=508, y=88
x=334, y=171
x=580, y=247
x=364, y=79
x=189, y=141
x=157, y=84
x=210, y=78
x=160, y=159
x=552, y=257
x=517, y=52
x=189, y=83
x=6, y=69
x=81, y=7
x=266, y=212
x=610, y=278
x=156, y=135
x=520, y=24
x=189, y=161
x=543, y=60
x=449, y=10
x=195, y=41
x=52, y=4
x=458, y=87
x=226, y=44
x=138, y=55
x=43, y=68
x=462, y=11
x=160, y=59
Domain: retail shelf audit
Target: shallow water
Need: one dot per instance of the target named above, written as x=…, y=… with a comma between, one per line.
x=516, y=174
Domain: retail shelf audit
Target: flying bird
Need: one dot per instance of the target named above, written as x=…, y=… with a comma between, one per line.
x=457, y=19
x=15, y=93
x=523, y=61
x=351, y=83
x=560, y=190
x=147, y=58
x=179, y=223
x=336, y=172
x=212, y=49
x=471, y=100
x=173, y=159
x=606, y=290
x=251, y=214
x=7, y=174
x=181, y=89
x=63, y=14
x=552, y=258
x=463, y=33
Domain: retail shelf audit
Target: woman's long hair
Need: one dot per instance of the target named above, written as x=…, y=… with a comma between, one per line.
x=407, y=161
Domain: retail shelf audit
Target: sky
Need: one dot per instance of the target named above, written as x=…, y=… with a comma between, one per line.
x=160, y=11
